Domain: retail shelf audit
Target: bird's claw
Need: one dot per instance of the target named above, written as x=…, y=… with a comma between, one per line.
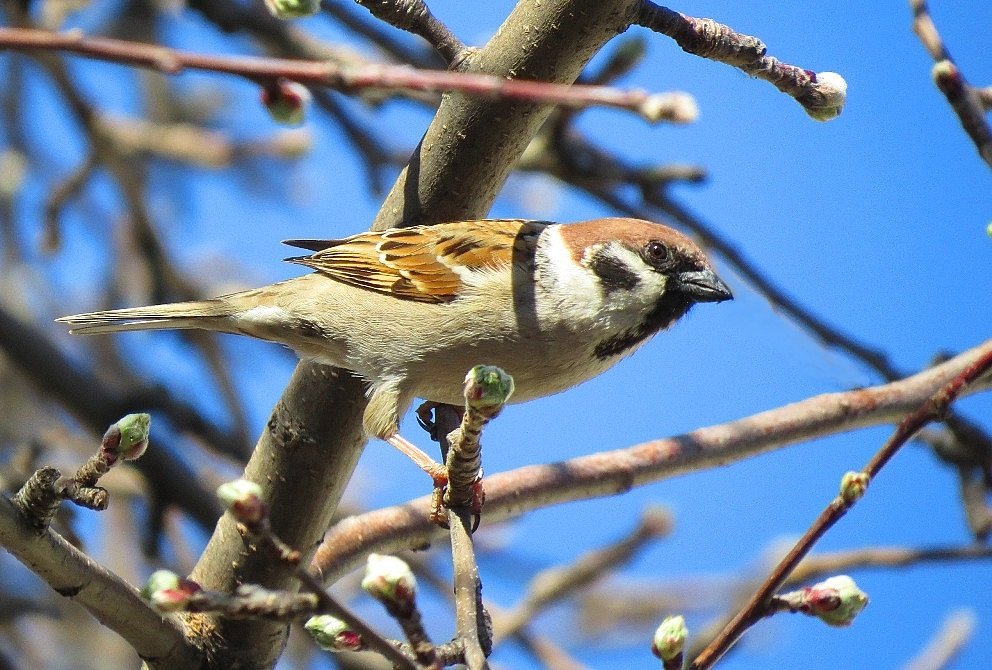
x=439, y=508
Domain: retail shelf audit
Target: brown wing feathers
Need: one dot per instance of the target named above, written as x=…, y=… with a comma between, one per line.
x=421, y=263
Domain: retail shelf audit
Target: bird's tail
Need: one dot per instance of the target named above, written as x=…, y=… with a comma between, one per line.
x=205, y=314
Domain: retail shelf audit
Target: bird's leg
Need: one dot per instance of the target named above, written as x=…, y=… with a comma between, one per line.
x=438, y=473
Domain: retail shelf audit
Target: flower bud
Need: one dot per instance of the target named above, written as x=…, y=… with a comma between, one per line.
x=849, y=598
x=168, y=592
x=243, y=499
x=669, y=639
x=389, y=580
x=286, y=101
x=835, y=601
x=128, y=438
x=829, y=96
x=487, y=386
x=853, y=485
x=332, y=634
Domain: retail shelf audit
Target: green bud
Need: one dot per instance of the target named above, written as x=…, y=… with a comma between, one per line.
x=128, y=438
x=389, y=580
x=853, y=486
x=332, y=634
x=669, y=638
x=159, y=581
x=487, y=386
x=168, y=592
x=836, y=601
x=286, y=102
x=243, y=499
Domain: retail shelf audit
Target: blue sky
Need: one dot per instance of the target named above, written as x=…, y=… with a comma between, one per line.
x=875, y=221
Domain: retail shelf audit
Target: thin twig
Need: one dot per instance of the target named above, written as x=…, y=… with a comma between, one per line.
x=326, y=603
x=415, y=17
x=381, y=37
x=941, y=650
x=932, y=409
x=672, y=107
x=819, y=565
x=97, y=405
x=967, y=102
x=471, y=620
x=822, y=94
x=64, y=191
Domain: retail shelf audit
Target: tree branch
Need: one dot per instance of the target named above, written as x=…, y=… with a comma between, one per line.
x=511, y=493
x=674, y=107
x=115, y=603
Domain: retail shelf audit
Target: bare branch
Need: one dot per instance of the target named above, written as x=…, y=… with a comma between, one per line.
x=608, y=473
x=555, y=584
x=414, y=16
x=969, y=103
x=73, y=574
x=673, y=107
x=822, y=94
x=852, y=488
x=947, y=642
x=97, y=406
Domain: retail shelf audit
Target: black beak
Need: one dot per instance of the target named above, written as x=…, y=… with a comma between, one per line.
x=703, y=286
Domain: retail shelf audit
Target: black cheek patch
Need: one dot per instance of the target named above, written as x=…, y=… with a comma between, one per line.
x=614, y=275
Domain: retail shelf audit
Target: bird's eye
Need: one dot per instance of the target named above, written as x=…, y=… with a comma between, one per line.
x=657, y=253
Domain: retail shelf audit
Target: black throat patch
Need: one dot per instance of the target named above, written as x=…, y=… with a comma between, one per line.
x=614, y=275
x=665, y=313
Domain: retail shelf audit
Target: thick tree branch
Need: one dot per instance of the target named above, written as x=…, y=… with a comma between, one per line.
x=115, y=603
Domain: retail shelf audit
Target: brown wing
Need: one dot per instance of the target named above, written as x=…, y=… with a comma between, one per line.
x=422, y=263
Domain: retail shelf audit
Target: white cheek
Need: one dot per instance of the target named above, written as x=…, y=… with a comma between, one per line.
x=569, y=277
x=571, y=293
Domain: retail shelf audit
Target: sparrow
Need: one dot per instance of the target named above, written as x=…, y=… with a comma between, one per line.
x=412, y=309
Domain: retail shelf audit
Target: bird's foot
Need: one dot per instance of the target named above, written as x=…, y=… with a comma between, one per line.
x=438, y=473
x=439, y=476
x=440, y=506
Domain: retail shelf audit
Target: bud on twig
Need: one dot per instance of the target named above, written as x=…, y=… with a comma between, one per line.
x=390, y=581
x=828, y=97
x=332, y=634
x=669, y=639
x=853, y=486
x=487, y=386
x=168, y=592
x=243, y=499
x=128, y=438
x=835, y=601
x=286, y=101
